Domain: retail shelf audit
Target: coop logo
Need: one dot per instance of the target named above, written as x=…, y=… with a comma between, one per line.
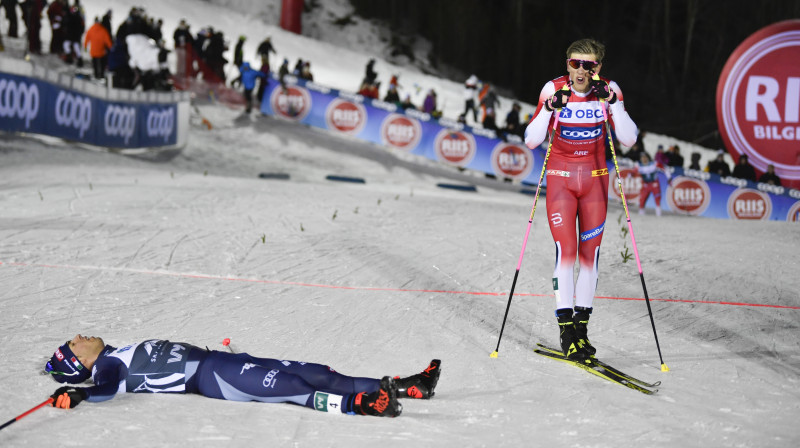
x=758, y=98
x=631, y=184
x=19, y=100
x=688, y=195
x=161, y=123
x=401, y=132
x=293, y=103
x=120, y=121
x=512, y=161
x=746, y=203
x=74, y=111
x=794, y=213
x=576, y=133
x=454, y=147
x=346, y=116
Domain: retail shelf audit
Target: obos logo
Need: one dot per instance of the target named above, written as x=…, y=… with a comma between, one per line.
x=293, y=103
x=454, y=147
x=688, y=195
x=401, y=132
x=74, y=111
x=794, y=213
x=758, y=99
x=161, y=123
x=345, y=116
x=120, y=121
x=631, y=184
x=19, y=100
x=746, y=203
x=513, y=161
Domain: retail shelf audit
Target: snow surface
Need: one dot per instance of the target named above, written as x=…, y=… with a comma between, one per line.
x=376, y=279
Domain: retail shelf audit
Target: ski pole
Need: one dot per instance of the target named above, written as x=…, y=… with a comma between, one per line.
x=664, y=367
x=227, y=343
x=528, y=231
x=35, y=408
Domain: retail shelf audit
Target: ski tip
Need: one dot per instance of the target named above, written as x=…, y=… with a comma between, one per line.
x=664, y=368
x=494, y=354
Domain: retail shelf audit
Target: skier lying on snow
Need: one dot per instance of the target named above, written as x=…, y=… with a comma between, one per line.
x=156, y=366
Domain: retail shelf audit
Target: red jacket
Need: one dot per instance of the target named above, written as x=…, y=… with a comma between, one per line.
x=98, y=38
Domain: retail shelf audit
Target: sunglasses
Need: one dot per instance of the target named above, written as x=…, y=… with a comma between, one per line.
x=587, y=65
x=48, y=369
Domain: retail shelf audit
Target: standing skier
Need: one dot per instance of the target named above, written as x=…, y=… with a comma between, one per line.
x=160, y=366
x=577, y=181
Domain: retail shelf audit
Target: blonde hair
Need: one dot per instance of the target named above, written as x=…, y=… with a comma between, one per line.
x=587, y=46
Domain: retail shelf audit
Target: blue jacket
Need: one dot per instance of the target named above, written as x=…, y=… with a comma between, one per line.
x=249, y=76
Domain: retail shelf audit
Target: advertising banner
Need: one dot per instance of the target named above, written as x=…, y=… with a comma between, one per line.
x=449, y=142
x=39, y=107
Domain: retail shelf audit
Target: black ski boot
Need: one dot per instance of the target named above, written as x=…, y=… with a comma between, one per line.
x=421, y=385
x=381, y=403
x=569, y=340
x=581, y=320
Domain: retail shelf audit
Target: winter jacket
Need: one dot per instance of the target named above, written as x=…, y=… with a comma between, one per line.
x=249, y=76
x=97, y=40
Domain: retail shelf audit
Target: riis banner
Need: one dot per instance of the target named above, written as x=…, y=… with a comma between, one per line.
x=452, y=143
x=39, y=107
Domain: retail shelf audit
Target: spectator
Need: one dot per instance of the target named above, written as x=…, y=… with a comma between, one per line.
x=214, y=52
x=238, y=52
x=675, y=157
x=391, y=95
x=56, y=13
x=305, y=71
x=298, y=67
x=370, y=75
x=264, y=49
x=429, y=104
x=489, y=103
x=262, y=82
x=393, y=82
x=770, y=177
x=182, y=36
x=184, y=50
x=640, y=141
x=695, y=165
x=369, y=90
x=407, y=104
x=74, y=26
x=661, y=157
x=283, y=70
x=743, y=169
x=512, y=120
x=32, y=14
x=106, y=22
x=718, y=166
x=98, y=41
x=634, y=153
x=11, y=14
x=470, y=92
x=247, y=78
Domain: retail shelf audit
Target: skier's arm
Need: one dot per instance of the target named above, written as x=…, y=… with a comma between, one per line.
x=624, y=127
x=536, y=131
x=108, y=379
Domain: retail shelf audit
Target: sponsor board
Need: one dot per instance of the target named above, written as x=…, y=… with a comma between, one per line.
x=292, y=103
x=19, y=101
x=688, y=195
x=511, y=161
x=401, y=132
x=631, y=184
x=758, y=100
x=746, y=203
x=345, y=116
x=794, y=213
x=454, y=147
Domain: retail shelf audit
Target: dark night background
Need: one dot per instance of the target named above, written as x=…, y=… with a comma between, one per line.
x=665, y=55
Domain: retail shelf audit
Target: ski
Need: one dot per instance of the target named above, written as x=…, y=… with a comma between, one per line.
x=594, y=368
x=611, y=369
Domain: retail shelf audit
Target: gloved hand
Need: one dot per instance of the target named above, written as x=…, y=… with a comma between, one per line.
x=602, y=90
x=67, y=397
x=558, y=100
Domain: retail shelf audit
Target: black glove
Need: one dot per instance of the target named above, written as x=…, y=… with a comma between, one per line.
x=603, y=91
x=68, y=397
x=558, y=100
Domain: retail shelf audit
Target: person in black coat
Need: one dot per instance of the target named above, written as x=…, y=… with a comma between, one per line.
x=743, y=169
x=718, y=165
x=770, y=177
x=11, y=14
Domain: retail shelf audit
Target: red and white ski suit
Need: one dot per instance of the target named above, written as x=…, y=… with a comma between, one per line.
x=577, y=183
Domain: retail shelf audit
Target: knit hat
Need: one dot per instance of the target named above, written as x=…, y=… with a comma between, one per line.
x=65, y=367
